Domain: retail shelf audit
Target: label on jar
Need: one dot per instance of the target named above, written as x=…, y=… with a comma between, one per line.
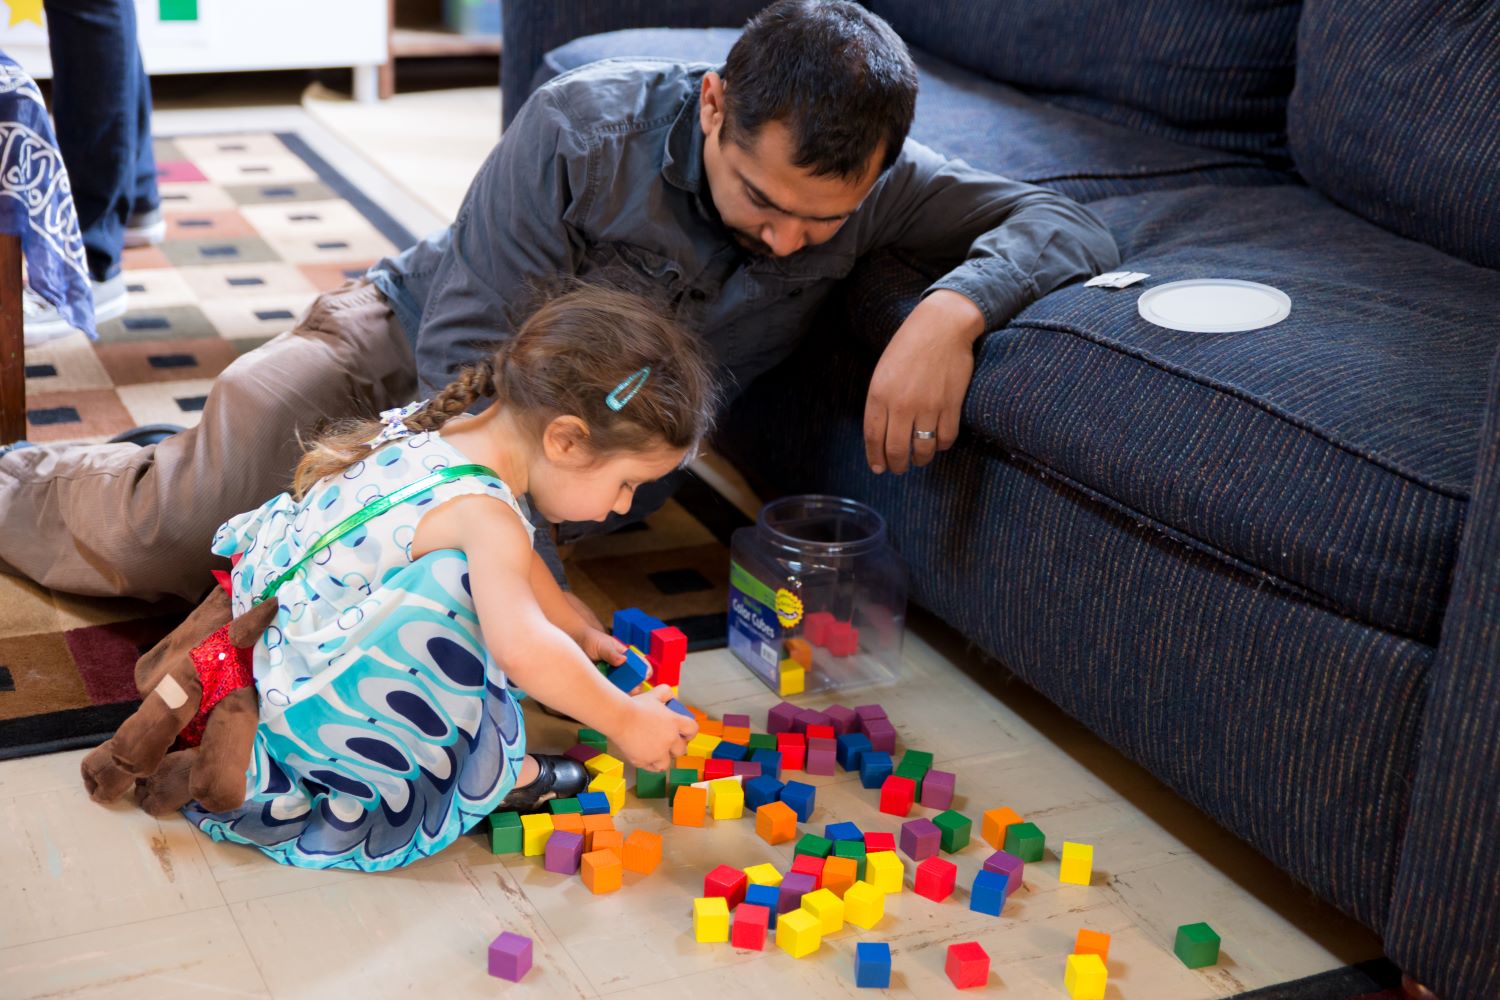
x=754, y=629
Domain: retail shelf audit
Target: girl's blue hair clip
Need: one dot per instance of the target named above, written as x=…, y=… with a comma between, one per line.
x=626, y=390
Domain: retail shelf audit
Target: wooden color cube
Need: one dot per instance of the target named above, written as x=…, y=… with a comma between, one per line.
x=1085, y=977
x=601, y=871
x=763, y=875
x=702, y=745
x=839, y=874
x=612, y=787
x=711, y=919
x=693, y=763
x=775, y=822
x=897, y=795
x=650, y=784
x=750, y=925
x=809, y=864
x=507, y=836
x=510, y=956
x=781, y=718
x=937, y=789
x=598, y=823
x=727, y=882
x=800, y=651
x=935, y=879
x=798, y=933
x=879, y=840
x=968, y=965
x=816, y=625
x=872, y=965
x=988, y=893
x=727, y=799
x=791, y=678
x=920, y=839
x=1008, y=865
x=864, y=905
x=535, y=828
x=563, y=852
x=603, y=763
x=1026, y=842
x=885, y=870
x=737, y=734
x=1197, y=945
x=827, y=907
x=1092, y=943
x=608, y=840
x=955, y=828
x=1077, y=863
x=571, y=822
x=793, y=750
x=994, y=824
x=642, y=852
x=690, y=805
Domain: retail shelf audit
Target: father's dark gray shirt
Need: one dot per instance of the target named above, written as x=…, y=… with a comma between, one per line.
x=603, y=168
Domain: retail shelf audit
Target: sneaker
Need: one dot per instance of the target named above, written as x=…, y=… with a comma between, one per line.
x=43, y=322
x=143, y=229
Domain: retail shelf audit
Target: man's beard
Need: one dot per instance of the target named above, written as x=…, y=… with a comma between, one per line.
x=750, y=243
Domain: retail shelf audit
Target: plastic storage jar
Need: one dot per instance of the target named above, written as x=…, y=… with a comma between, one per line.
x=817, y=597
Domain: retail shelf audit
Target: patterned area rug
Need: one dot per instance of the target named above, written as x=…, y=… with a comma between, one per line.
x=257, y=226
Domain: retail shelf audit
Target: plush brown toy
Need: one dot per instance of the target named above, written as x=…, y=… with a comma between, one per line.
x=213, y=735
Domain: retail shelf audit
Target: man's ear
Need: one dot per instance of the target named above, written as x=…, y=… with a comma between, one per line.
x=711, y=103
x=565, y=440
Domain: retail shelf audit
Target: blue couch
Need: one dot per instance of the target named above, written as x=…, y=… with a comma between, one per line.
x=1264, y=565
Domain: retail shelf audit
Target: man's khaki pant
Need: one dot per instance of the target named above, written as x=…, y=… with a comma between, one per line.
x=120, y=520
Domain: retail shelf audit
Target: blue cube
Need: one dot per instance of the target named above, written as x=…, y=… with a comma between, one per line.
x=843, y=831
x=872, y=965
x=769, y=761
x=764, y=895
x=593, y=803
x=633, y=627
x=988, y=894
x=851, y=746
x=730, y=751
x=679, y=708
x=874, y=767
x=801, y=797
x=628, y=675
x=761, y=791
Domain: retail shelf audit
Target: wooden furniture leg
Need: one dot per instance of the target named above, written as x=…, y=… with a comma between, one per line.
x=12, y=343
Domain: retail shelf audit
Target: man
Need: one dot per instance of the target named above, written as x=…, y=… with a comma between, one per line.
x=740, y=194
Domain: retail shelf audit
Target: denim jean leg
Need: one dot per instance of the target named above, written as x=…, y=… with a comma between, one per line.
x=95, y=62
x=145, y=197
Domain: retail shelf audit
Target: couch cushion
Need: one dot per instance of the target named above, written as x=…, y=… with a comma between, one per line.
x=988, y=124
x=1212, y=72
x=1396, y=115
x=1332, y=452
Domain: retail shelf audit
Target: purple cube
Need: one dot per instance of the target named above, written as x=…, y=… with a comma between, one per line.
x=792, y=889
x=937, y=789
x=582, y=752
x=865, y=714
x=780, y=719
x=564, y=852
x=1008, y=865
x=747, y=768
x=510, y=956
x=809, y=717
x=882, y=735
x=822, y=756
x=740, y=721
x=920, y=838
x=843, y=719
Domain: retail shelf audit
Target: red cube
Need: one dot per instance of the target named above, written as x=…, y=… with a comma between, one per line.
x=668, y=647
x=809, y=864
x=727, y=882
x=717, y=767
x=815, y=627
x=843, y=639
x=879, y=842
x=896, y=795
x=750, y=925
x=793, y=750
x=821, y=733
x=935, y=879
x=968, y=965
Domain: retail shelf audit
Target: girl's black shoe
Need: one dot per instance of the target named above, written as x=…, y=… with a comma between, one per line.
x=558, y=778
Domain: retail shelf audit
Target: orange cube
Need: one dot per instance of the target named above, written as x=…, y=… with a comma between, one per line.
x=689, y=806
x=569, y=822
x=593, y=824
x=1092, y=943
x=694, y=764
x=992, y=829
x=601, y=871
x=607, y=840
x=776, y=822
x=696, y=712
x=711, y=727
x=839, y=874
x=737, y=734
x=642, y=851
x=801, y=651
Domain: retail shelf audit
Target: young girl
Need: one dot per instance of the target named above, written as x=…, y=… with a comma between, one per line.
x=387, y=724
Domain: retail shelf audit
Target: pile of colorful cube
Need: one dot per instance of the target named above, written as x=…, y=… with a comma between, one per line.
x=820, y=629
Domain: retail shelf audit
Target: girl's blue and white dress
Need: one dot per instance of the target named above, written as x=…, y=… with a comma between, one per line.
x=386, y=728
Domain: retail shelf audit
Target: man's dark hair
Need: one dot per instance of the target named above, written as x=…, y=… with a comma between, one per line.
x=837, y=76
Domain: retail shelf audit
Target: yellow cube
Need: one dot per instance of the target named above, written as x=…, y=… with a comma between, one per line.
x=603, y=763
x=885, y=871
x=793, y=680
x=703, y=745
x=711, y=919
x=1085, y=977
x=726, y=798
x=613, y=787
x=864, y=904
x=763, y=875
x=798, y=933
x=535, y=830
x=1077, y=863
x=827, y=907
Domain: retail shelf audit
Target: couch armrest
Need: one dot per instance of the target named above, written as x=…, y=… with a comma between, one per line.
x=534, y=27
x=1444, y=926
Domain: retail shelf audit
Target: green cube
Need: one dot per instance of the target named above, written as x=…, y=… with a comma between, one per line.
x=1197, y=945
x=568, y=805
x=955, y=827
x=177, y=10
x=650, y=784
x=676, y=778
x=851, y=849
x=1025, y=841
x=912, y=770
x=762, y=741
x=811, y=843
x=506, y=835
x=920, y=759
x=593, y=738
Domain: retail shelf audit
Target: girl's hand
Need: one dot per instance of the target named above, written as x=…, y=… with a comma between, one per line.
x=599, y=645
x=651, y=734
